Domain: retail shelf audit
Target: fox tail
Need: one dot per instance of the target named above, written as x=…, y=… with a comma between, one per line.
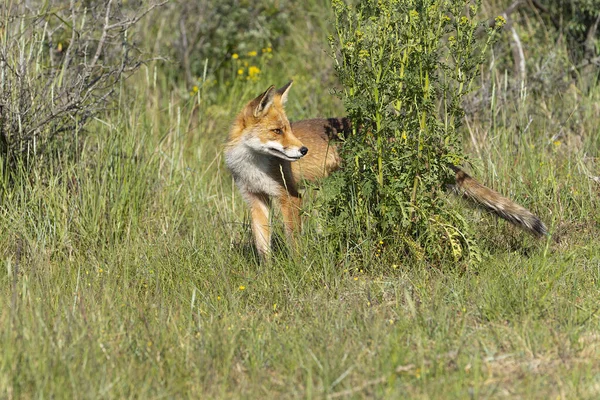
x=498, y=204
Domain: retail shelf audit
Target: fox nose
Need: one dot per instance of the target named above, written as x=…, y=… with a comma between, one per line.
x=303, y=150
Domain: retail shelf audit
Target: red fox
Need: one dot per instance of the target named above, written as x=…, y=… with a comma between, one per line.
x=268, y=157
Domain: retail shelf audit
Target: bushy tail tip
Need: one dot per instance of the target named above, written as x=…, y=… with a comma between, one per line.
x=498, y=204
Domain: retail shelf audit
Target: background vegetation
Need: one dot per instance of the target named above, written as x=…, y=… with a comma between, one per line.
x=126, y=260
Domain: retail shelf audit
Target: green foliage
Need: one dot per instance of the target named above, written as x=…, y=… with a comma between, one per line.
x=405, y=66
x=60, y=67
x=577, y=20
x=208, y=33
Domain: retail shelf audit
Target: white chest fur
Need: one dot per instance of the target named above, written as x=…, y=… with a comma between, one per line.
x=253, y=171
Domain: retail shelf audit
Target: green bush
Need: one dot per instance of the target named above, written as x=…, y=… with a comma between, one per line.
x=578, y=21
x=202, y=36
x=60, y=65
x=405, y=66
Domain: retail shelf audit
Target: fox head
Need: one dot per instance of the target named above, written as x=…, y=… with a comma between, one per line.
x=265, y=127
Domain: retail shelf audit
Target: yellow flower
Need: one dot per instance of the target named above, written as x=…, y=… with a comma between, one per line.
x=235, y=56
x=557, y=143
x=241, y=71
x=242, y=287
x=500, y=21
x=267, y=50
x=253, y=71
x=195, y=89
x=252, y=53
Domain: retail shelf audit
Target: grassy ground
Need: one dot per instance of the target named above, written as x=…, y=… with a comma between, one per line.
x=130, y=274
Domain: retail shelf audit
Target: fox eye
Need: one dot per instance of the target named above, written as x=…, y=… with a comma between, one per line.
x=278, y=131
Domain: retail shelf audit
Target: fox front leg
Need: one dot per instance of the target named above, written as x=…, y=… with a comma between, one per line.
x=290, y=209
x=261, y=230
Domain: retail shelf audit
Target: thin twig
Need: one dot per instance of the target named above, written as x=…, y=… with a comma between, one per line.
x=103, y=37
x=540, y=7
x=518, y=55
x=133, y=21
x=67, y=59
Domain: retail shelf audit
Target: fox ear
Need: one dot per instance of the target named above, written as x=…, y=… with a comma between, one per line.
x=265, y=101
x=283, y=91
